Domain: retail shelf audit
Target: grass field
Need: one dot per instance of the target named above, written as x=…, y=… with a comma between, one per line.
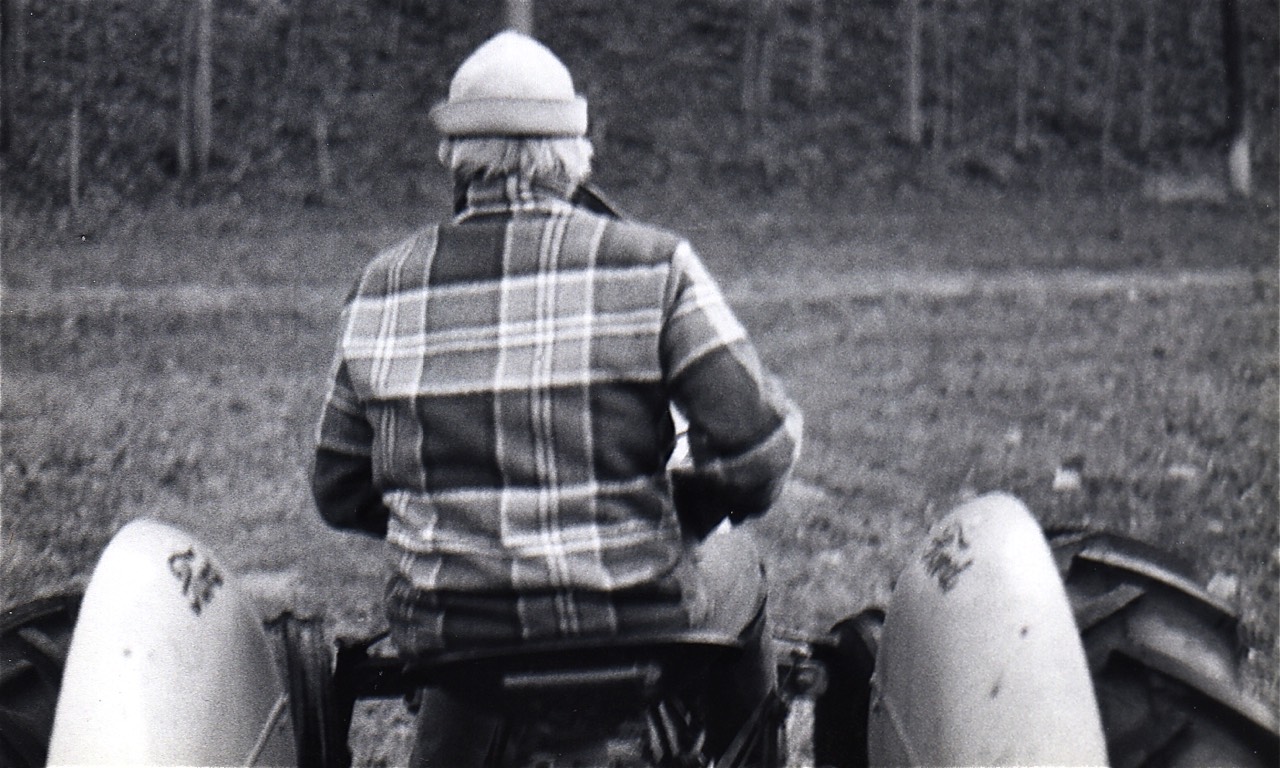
x=938, y=351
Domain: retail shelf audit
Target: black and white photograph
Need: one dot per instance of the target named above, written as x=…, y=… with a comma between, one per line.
x=653, y=384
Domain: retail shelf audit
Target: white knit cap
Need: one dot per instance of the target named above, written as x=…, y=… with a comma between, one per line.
x=511, y=86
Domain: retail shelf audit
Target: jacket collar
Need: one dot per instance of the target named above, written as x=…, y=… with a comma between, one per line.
x=511, y=194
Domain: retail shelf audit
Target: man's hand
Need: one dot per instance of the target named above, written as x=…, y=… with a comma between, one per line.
x=695, y=503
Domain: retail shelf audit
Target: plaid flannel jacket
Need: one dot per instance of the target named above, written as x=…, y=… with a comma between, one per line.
x=501, y=410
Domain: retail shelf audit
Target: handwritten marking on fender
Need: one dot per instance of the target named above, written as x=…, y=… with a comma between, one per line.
x=945, y=558
x=199, y=578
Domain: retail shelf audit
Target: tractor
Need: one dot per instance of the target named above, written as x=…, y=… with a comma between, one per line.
x=1001, y=644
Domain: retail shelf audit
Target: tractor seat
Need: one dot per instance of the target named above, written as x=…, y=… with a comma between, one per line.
x=639, y=669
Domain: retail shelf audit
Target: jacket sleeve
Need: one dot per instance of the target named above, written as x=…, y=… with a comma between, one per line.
x=744, y=433
x=342, y=472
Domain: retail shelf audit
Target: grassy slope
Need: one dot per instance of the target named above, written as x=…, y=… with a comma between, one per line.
x=926, y=373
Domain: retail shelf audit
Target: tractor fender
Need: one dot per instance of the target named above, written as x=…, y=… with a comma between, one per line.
x=979, y=659
x=169, y=663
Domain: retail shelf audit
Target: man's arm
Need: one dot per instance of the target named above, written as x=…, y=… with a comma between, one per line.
x=342, y=472
x=744, y=433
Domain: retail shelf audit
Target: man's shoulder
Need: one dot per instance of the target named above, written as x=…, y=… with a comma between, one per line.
x=418, y=245
x=420, y=242
x=627, y=241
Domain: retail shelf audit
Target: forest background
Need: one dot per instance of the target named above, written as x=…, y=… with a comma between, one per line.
x=109, y=105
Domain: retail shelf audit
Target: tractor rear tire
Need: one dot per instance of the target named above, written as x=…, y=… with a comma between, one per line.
x=34, y=639
x=840, y=712
x=318, y=732
x=1165, y=657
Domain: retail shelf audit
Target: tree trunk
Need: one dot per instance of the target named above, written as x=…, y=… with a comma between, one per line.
x=1022, y=31
x=13, y=47
x=750, y=64
x=817, y=53
x=915, y=82
x=203, y=87
x=751, y=46
x=293, y=46
x=185, y=97
x=78, y=51
x=519, y=16
x=324, y=162
x=757, y=60
x=942, y=75
x=391, y=42
x=1146, y=106
x=1238, y=164
x=6, y=83
x=768, y=48
x=1112, y=106
x=19, y=32
x=1070, y=61
x=955, y=81
x=73, y=156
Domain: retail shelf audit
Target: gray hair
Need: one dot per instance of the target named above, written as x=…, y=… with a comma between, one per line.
x=556, y=159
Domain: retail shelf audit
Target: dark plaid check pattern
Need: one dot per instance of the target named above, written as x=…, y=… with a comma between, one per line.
x=501, y=407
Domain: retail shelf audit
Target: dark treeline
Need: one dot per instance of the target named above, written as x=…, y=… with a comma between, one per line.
x=127, y=101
